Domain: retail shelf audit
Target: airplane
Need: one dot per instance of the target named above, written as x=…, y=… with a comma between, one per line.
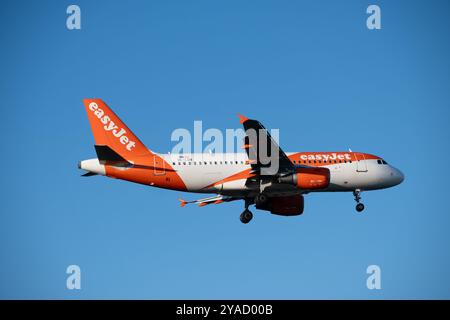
x=278, y=185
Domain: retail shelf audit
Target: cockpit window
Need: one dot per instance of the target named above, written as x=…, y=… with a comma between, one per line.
x=379, y=161
x=384, y=162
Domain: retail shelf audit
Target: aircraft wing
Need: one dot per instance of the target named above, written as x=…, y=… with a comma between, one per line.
x=210, y=200
x=264, y=154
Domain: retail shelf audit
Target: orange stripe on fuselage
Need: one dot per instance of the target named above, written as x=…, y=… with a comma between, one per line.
x=245, y=174
x=159, y=174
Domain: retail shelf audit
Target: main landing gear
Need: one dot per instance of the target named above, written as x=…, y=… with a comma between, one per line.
x=261, y=200
x=247, y=215
x=359, y=206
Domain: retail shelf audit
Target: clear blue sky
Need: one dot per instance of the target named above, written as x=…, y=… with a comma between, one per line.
x=311, y=69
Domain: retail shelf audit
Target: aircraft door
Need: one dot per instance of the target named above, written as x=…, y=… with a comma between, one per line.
x=159, y=168
x=361, y=165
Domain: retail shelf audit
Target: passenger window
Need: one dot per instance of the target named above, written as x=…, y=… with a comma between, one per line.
x=173, y=163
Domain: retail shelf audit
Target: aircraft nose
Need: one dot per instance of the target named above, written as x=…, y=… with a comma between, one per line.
x=397, y=176
x=401, y=176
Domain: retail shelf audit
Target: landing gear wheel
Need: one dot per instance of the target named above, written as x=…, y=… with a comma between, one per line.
x=246, y=216
x=359, y=207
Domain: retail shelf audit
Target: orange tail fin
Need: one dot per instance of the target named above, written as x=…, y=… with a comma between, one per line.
x=110, y=131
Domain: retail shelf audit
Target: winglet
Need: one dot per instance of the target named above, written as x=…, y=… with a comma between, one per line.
x=182, y=202
x=242, y=119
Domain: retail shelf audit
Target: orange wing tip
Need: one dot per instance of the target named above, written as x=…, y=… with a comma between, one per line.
x=242, y=119
x=218, y=201
x=182, y=202
x=202, y=204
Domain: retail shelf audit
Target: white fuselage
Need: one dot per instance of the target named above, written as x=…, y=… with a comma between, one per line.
x=202, y=172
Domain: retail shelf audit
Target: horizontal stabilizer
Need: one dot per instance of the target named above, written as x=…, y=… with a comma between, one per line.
x=89, y=174
x=211, y=200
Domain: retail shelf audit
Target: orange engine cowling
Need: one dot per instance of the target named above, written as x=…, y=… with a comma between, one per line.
x=308, y=178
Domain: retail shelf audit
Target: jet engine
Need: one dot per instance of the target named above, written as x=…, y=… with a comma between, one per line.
x=284, y=206
x=308, y=178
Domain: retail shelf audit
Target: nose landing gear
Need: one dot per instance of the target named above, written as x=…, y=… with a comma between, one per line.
x=359, y=206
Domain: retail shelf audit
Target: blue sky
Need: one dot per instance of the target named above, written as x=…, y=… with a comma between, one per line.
x=310, y=68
